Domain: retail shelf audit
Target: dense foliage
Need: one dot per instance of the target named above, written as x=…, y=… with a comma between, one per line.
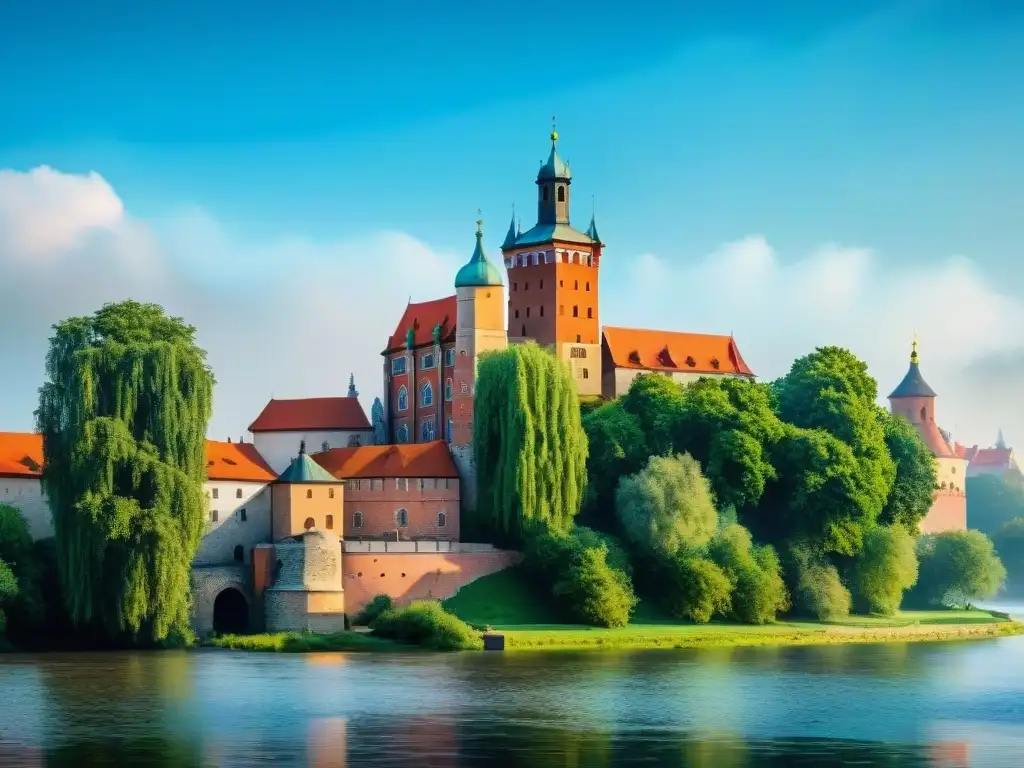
x=956, y=569
x=123, y=415
x=531, y=451
x=695, y=589
x=378, y=605
x=426, y=623
x=1009, y=543
x=994, y=500
x=758, y=591
x=911, y=495
x=885, y=569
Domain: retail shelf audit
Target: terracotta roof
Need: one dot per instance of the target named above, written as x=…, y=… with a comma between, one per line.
x=406, y=460
x=993, y=457
x=931, y=435
x=311, y=413
x=674, y=351
x=236, y=461
x=21, y=455
x=422, y=318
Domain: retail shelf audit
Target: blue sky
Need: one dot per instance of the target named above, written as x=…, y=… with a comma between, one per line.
x=891, y=126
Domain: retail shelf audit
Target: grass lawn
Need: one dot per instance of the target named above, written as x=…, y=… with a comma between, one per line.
x=506, y=602
x=306, y=642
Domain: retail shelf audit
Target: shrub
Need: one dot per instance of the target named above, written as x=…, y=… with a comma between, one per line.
x=426, y=623
x=696, y=589
x=884, y=569
x=666, y=507
x=821, y=593
x=1009, y=543
x=8, y=593
x=378, y=605
x=758, y=590
x=617, y=556
x=956, y=568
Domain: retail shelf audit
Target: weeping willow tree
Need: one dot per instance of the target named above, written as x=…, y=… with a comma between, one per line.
x=531, y=451
x=123, y=416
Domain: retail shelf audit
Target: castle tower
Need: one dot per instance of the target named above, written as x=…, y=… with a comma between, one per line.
x=553, y=278
x=914, y=400
x=480, y=327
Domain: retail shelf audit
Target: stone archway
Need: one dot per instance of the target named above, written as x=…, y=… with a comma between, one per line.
x=230, y=612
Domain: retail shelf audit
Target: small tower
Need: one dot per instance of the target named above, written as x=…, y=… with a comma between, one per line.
x=913, y=398
x=306, y=496
x=553, y=181
x=480, y=327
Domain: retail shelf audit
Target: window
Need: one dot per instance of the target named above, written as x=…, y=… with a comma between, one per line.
x=309, y=524
x=588, y=285
x=575, y=285
x=561, y=194
x=590, y=312
x=542, y=285
x=578, y=352
x=575, y=310
x=402, y=518
x=560, y=282
x=578, y=338
x=524, y=330
x=401, y=483
x=330, y=493
x=542, y=310
x=464, y=387
x=442, y=519
x=427, y=361
x=427, y=433
x=924, y=417
x=449, y=357
x=952, y=470
x=239, y=553
x=426, y=394
x=309, y=493
x=213, y=515
x=241, y=515
x=397, y=365
x=448, y=389
x=329, y=523
x=448, y=431
x=238, y=493
x=403, y=434
x=561, y=309
x=526, y=285
x=403, y=398
x=353, y=441
x=517, y=313
x=357, y=519
x=515, y=286
x=216, y=492
x=586, y=374
x=527, y=311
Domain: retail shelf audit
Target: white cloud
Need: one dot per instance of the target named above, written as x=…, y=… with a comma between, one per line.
x=294, y=317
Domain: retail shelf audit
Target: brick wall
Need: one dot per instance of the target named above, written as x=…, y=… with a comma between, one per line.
x=948, y=513
x=417, y=576
x=423, y=499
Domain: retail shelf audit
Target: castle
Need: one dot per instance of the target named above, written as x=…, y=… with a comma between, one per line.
x=321, y=510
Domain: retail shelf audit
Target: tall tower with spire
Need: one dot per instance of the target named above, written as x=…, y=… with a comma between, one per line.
x=480, y=327
x=914, y=400
x=553, y=272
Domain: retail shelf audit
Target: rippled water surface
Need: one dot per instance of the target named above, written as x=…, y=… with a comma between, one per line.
x=948, y=704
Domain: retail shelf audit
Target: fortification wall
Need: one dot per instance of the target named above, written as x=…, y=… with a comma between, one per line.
x=948, y=513
x=417, y=575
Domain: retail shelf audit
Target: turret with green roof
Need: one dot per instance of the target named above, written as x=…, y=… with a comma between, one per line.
x=303, y=470
x=478, y=271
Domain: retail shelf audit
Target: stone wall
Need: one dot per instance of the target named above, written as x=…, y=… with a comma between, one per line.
x=416, y=576
x=948, y=513
x=378, y=500
x=210, y=581
x=242, y=512
x=299, y=611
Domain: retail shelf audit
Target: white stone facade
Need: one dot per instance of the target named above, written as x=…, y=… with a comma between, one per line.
x=238, y=515
x=279, y=448
x=26, y=494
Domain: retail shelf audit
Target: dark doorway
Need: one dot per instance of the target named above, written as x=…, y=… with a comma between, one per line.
x=230, y=612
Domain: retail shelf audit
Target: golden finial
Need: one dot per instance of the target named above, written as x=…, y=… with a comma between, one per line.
x=914, y=359
x=554, y=132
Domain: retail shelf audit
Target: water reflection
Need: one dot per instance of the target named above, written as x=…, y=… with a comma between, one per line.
x=905, y=705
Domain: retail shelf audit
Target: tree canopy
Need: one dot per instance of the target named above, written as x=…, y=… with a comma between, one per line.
x=530, y=448
x=1009, y=543
x=957, y=568
x=915, y=481
x=992, y=500
x=123, y=414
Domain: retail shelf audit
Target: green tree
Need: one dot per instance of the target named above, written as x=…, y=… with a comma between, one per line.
x=667, y=507
x=8, y=593
x=956, y=568
x=818, y=589
x=657, y=402
x=992, y=500
x=1009, y=543
x=914, y=486
x=123, y=415
x=885, y=569
x=758, y=590
x=616, y=447
x=531, y=451
x=695, y=588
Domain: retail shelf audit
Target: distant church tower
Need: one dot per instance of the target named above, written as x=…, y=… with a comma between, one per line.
x=479, y=327
x=553, y=278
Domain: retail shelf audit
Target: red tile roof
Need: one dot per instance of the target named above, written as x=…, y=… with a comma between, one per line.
x=21, y=455
x=423, y=317
x=406, y=460
x=993, y=457
x=672, y=351
x=931, y=435
x=311, y=413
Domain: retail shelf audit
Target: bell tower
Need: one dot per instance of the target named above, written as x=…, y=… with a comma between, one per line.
x=553, y=182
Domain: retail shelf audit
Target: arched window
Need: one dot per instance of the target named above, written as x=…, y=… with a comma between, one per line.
x=309, y=524
x=442, y=519
x=527, y=311
x=238, y=493
x=427, y=432
x=517, y=313
x=426, y=394
x=590, y=313
x=447, y=389
x=542, y=310
x=448, y=431
x=542, y=285
x=403, y=398
x=402, y=518
x=586, y=374
x=524, y=330
x=924, y=413
x=239, y=553
x=561, y=194
x=329, y=522
x=575, y=311
x=241, y=515
x=330, y=493
x=357, y=519
x=575, y=285
x=578, y=339
x=403, y=434
x=588, y=285
x=309, y=493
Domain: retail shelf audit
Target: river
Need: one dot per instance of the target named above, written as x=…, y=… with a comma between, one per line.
x=942, y=704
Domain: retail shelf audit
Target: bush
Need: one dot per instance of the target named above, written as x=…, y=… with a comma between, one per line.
x=956, y=568
x=667, y=507
x=8, y=593
x=696, y=589
x=617, y=556
x=821, y=593
x=426, y=623
x=577, y=569
x=378, y=605
x=758, y=591
x=884, y=569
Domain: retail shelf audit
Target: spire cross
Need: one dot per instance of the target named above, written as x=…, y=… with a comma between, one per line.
x=479, y=222
x=913, y=349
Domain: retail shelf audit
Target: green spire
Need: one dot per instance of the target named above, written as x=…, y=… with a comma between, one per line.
x=555, y=167
x=304, y=470
x=592, y=229
x=510, y=237
x=478, y=270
